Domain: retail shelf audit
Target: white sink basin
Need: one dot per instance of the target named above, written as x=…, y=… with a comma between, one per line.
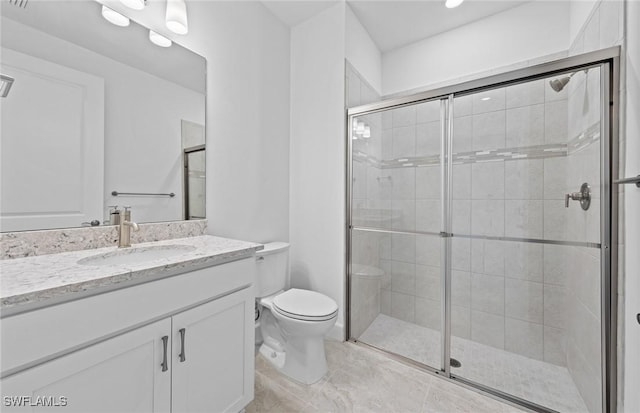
x=136, y=255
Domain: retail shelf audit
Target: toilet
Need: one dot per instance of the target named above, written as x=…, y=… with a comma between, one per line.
x=290, y=323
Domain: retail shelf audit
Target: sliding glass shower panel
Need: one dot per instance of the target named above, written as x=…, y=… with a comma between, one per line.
x=525, y=270
x=395, y=274
x=195, y=183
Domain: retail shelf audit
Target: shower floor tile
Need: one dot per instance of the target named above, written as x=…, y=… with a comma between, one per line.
x=534, y=380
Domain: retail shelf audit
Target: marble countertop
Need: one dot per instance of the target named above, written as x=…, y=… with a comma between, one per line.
x=55, y=278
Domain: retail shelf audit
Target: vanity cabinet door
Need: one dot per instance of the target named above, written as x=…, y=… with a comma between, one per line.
x=121, y=374
x=214, y=370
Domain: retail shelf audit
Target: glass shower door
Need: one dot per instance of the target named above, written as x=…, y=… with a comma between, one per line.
x=194, y=182
x=526, y=272
x=396, y=206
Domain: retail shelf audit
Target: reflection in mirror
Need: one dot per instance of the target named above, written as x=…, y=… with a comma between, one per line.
x=94, y=109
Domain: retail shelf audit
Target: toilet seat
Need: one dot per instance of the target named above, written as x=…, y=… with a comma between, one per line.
x=305, y=305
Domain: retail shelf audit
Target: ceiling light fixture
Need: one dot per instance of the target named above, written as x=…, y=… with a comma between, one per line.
x=114, y=17
x=453, y=3
x=176, y=17
x=158, y=39
x=134, y=4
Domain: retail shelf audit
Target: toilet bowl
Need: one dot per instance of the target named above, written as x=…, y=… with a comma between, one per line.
x=292, y=323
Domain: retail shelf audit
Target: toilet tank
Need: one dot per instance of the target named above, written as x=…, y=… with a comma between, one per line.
x=272, y=272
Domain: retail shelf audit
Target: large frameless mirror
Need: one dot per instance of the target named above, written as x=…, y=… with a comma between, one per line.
x=97, y=116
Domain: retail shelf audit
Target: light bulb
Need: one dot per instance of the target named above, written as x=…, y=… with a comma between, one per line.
x=360, y=127
x=367, y=132
x=158, y=39
x=114, y=17
x=134, y=4
x=176, y=17
x=450, y=4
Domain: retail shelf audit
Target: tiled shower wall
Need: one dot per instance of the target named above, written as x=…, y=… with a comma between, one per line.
x=505, y=294
x=498, y=288
x=604, y=28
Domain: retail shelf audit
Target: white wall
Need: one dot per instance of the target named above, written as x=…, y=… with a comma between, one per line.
x=632, y=217
x=362, y=52
x=247, y=52
x=529, y=31
x=579, y=12
x=317, y=157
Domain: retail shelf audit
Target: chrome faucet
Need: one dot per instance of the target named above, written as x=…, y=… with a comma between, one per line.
x=124, y=233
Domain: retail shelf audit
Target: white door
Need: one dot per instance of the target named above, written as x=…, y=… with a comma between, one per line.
x=52, y=147
x=122, y=374
x=216, y=372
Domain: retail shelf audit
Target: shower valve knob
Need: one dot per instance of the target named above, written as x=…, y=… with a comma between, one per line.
x=584, y=196
x=575, y=196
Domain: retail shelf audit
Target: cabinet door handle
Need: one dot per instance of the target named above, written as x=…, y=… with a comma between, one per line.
x=165, y=341
x=182, y=355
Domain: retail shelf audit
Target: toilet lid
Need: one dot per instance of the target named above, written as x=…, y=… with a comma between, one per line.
x=305, y=303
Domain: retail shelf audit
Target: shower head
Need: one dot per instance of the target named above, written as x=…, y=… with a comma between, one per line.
x=559, y=84
x=5, y=85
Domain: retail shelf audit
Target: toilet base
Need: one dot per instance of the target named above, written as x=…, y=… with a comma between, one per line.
x=303, y=360
x=276, y=358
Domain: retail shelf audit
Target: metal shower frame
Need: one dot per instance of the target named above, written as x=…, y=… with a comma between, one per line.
x=608, y=60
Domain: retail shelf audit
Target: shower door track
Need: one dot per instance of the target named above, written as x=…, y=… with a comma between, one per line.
x=608, y=61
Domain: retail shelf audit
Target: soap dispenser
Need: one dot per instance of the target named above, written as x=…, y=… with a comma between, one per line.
x=114, y=215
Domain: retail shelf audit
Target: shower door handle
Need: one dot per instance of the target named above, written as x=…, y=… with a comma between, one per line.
x=633, y=180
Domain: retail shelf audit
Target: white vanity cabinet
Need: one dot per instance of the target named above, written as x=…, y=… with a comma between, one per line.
x=116, y=375
x=208, y=364
x=209, y=372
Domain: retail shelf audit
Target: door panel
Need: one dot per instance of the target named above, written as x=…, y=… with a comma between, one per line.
x=527, y=282
x=216, y=372
x=395, y=271
x=63, y=136
x=120, y=374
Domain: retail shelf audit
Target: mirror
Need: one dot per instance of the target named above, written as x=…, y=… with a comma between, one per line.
x=96, y=115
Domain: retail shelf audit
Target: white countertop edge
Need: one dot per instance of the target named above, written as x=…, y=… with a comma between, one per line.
x=31, y=283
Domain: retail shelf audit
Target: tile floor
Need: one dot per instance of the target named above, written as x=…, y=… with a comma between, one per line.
x=365, y=380
x=534, y=380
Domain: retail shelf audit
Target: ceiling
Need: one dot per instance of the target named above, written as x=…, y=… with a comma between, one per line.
x=392, y=24
x=395, y=23
x=81, y=22
x=294, y=12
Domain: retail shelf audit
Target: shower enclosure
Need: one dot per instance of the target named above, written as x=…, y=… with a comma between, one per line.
x=480, y=228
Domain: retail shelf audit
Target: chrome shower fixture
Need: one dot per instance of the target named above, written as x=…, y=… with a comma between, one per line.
x=559, y=84
x=5, y=85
